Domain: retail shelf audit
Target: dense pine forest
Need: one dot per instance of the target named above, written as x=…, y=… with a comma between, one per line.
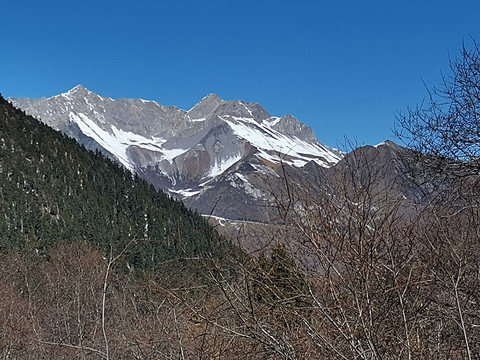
x=54, y=190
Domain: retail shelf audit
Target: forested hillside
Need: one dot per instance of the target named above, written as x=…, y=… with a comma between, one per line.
x=52, y=190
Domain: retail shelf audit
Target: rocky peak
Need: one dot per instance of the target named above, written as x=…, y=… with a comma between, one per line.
x=212, y=105
x=389, y=144
x=234, y=108
x=78, y=88
x=78, y=91
x=289, y=125
x=205, y=107
x=258, y=112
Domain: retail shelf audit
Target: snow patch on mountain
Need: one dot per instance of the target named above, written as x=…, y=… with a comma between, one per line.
x=185, y=192
x=290, y=150
x=221, y=165
x=118, y=141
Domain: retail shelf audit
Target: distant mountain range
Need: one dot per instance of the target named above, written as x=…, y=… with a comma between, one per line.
x=220, y=157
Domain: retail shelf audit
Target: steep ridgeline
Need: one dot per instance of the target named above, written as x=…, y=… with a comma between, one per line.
x=52, y=189
x=218, y=157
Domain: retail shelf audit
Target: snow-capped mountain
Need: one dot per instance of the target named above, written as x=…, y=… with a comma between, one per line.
x=215, y=156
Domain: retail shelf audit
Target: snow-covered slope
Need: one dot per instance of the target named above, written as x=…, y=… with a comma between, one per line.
x=188, y=153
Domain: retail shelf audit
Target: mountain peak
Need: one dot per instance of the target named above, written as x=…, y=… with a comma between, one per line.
x=289, y=125
x=212, y=97
x=388, y=143
x=205, y=107
x=79, y=87
x=77, y=90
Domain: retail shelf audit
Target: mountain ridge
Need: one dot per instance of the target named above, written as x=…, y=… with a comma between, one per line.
x=184, y=152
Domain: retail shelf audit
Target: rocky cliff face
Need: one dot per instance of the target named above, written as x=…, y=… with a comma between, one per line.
x=218, y=156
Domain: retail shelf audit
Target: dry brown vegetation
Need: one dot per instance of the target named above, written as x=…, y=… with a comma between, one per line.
x=353, y=275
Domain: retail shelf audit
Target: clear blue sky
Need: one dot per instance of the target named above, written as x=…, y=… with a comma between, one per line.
x=342, y=67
